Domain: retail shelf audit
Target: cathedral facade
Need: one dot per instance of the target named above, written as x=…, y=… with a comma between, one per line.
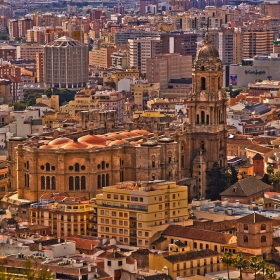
x=87, y=163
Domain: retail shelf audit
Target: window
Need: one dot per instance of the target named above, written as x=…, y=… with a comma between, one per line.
x=77, y=183
x=48, y=167
x=99, y=181
x=83, y=182
x=263, y=227
x=245, y=227
x=245, y=239
x=215, y=248
x=263, y=238
x=53, y=183
x=48, y=182
x=42, y=182
x=120, y=263
x=108, y=195
x=77, y=167
x=71, y=183
x=195, y=245
x=109, y=263
x=203, y=83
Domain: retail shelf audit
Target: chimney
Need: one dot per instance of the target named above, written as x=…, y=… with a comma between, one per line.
x=40, y=247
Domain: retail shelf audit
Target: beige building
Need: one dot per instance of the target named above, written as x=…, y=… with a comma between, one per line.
x=65, y=64
x=66, y=216
x=102, y=57
x=257, y=42
x=120, y=60
x=132, y=212
x=165, y=67
x=142, y=91
x=52, y=102
x=29, y=51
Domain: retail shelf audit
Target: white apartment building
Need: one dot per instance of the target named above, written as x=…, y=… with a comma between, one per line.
x=140, y=49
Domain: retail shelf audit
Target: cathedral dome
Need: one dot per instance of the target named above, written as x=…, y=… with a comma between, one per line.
x=208, y=52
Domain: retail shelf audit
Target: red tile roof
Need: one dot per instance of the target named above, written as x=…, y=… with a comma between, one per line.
x=198, y=234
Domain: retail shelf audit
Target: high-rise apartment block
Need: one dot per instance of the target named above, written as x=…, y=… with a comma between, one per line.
x=230, y=46
x=179, y=42
x=165, y=67
x=132, y=212
x=140, y=49
x=8, y=52
x=257, y=42
x=65, y=63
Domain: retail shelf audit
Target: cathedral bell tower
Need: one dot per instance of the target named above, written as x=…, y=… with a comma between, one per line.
x=207, y=104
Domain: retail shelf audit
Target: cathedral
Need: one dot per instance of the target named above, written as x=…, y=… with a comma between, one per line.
x=86, y=162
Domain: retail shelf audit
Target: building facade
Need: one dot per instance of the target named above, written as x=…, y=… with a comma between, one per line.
x=143, y=209
x=65, y=64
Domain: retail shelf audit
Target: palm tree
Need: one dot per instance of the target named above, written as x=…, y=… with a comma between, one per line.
x=262, y=265
x=270, y=272
x=254, y=264
x=227, y=259
x=240, y=263
x=44, y=274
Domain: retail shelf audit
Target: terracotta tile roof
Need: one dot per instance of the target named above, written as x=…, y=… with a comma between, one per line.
x=217, y=226
x=246, y=187
x=193, y=233
x=130, y=260
x=259, y=149
x=191, y=255
x=83, y=243
x=253, y=219
x=257, y=157
x=115, y=255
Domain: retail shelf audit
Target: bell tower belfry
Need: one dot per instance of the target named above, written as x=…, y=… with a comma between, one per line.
x=207, y=104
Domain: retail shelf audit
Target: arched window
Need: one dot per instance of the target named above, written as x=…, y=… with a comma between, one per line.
x=203, y=83
x=263, y=239
x=77, y=183
x=219, y=83
x=207, y=119
x=103, y=164
x=245, y=227
x=245, y=239
x=103, y=180
x=107, y=179
x=202, y=68
x=77, y=167
x=27, y=165
x=99, y=181
x=83, y=182
x=71, y=183
x=48, y=182
x=48, y=167
x=197, y=119
x=53, y=183
x=42, y=182
x=263, y=227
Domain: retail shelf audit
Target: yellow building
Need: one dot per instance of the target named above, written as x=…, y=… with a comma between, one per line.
x=4, y=181
x=52, y=102
x=64, y=215
x=116, y=76
x=51, y=119
x=153, y=114
x=133, y=212
x=142, y=91
x=83, y=101
x=185, y=263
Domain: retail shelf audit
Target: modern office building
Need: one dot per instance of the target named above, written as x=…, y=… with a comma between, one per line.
x=65, y=63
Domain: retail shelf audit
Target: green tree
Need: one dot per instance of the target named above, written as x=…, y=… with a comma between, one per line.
x=29, y=271
x=240, y=263
x=254, y=264
x=65, y=95
x=44, y=274
x=227, y=259
x=217, y=182
x=18, y=106
x=270, y=169
x=266, y=179
x=233, y=175
x=262, y=266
